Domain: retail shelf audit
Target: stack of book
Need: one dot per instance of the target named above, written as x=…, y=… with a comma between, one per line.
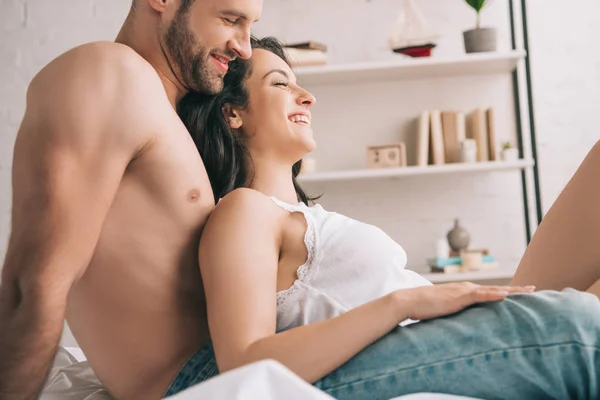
x=306, y=54
x=441, y=133
x=453, y=264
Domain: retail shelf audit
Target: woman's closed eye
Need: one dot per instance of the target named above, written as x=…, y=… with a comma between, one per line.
x=281, y=84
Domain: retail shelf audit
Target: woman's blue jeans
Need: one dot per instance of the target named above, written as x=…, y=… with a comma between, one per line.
x=543, y=345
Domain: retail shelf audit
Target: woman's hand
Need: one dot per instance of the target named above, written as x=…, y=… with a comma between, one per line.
x=435, y=301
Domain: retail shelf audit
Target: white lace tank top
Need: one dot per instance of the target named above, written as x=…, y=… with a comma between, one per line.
x=349, y=263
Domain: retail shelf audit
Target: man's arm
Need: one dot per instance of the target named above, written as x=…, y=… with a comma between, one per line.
x=71, y=152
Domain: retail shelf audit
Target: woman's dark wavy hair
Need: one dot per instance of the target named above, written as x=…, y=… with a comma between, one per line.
x=223, y=152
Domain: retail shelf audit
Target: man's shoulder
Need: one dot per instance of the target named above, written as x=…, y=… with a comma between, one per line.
x=104, y=50
x=105, y=87
x=99, y=65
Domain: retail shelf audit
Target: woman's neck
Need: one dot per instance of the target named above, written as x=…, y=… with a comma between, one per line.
x=274, y=179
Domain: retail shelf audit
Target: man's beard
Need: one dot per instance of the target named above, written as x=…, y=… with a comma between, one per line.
x=190, y=58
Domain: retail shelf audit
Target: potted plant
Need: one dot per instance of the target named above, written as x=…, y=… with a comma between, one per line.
x=509, y=153
x=479, y=39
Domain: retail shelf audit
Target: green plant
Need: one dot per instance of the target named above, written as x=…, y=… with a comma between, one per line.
x=477, y=5
x=506, y=145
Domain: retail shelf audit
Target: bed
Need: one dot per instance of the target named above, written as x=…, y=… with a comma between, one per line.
x=72, y=378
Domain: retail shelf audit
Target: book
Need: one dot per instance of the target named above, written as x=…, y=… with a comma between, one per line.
x=450, y=132
x=308, y=45
x=437, y=138
x=461, y=127
x=478, y=132
x=453, y=253
x=453, y=269
x=305, y=57
x=491, y=131
x=423, y=139
x=489, y=266
x=443, y=262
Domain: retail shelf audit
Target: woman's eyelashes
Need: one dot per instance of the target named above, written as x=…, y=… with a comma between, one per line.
x=281, y=84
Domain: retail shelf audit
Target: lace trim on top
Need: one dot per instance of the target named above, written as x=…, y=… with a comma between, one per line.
x=309, y=242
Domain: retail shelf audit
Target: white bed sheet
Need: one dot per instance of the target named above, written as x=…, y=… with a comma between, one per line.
x=72, y=378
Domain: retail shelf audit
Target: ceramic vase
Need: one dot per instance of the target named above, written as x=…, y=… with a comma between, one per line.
x=458, y=237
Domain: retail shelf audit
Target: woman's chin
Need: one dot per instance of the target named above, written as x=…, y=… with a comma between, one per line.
x=311, y=145
x=305, y=139
x=304, y=149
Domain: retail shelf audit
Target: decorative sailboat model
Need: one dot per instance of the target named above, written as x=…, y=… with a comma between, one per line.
x=412, y=35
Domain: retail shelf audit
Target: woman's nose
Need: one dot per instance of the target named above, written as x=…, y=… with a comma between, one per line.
x=306, y=98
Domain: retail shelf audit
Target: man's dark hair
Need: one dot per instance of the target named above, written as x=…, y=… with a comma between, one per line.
x=223, y=152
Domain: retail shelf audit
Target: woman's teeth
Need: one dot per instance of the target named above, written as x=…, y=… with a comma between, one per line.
x=300, y=119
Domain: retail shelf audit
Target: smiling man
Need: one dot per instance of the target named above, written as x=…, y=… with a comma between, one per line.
x=109, y=198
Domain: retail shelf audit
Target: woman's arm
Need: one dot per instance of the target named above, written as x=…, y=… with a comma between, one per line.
x=239, y=257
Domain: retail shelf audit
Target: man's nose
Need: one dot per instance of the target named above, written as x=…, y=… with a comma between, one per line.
x=241, y=47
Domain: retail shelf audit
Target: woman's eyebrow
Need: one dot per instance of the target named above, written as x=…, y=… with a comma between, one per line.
x=278, y=71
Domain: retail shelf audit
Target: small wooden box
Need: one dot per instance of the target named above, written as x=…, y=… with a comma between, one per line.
x=387, y=156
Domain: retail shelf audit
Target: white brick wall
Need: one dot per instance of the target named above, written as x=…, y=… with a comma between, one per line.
x=566, y=78
x=566, y=73
x=33, y=32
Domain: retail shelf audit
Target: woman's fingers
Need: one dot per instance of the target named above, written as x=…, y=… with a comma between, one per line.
x=470, y=286
x=491, y=293
x=513, y=289
x=433, y=301
x=526, y=289
x=487, y=293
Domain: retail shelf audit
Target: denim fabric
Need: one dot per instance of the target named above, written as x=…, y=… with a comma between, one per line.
x=200, y=367
x=544, y=345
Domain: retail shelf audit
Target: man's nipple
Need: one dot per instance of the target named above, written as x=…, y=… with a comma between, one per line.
x=193, y=195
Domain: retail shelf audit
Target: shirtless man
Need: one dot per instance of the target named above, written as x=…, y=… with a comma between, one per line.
x=109, y=198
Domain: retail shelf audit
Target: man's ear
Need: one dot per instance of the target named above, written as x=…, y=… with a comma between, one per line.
x=160, y=5
x=234, y=120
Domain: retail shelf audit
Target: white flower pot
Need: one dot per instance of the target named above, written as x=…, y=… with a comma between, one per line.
x=511, y=154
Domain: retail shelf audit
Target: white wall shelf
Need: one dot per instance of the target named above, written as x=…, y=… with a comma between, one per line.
x=504, y=273
x=404, y=68
x=328, y=176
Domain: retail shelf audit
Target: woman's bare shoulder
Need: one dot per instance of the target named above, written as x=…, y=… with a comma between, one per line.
x=240, y=215
x=246, y=203
x=244, y=198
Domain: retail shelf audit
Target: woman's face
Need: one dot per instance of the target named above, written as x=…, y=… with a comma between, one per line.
x=276, y=124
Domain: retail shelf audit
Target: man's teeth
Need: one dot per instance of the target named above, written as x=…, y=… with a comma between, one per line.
x=300, y=118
